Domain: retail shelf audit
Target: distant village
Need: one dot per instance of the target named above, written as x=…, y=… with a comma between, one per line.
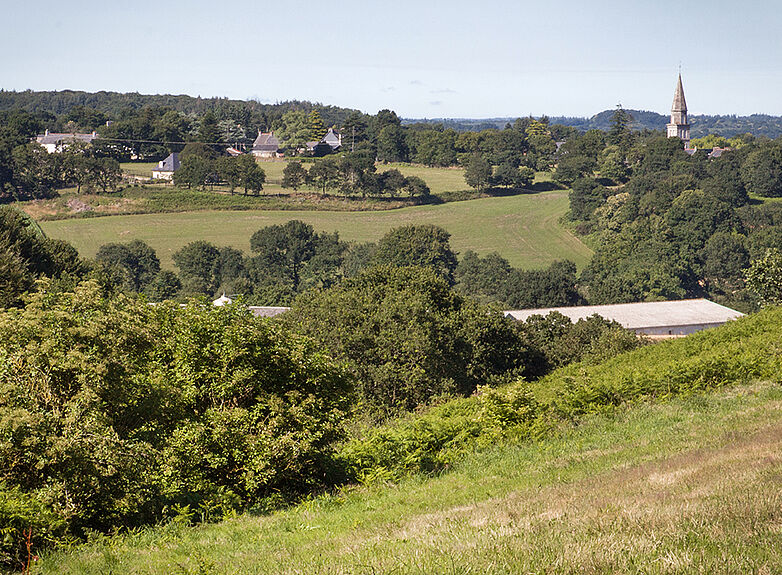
x=268, y=146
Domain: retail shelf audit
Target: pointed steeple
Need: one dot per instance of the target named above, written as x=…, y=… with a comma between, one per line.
x=679, y=103
x=679, y=127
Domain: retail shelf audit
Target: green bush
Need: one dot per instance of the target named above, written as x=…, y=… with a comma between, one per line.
x=408, y=337
x=113, y=411
x=24, y=519
x=740, y=352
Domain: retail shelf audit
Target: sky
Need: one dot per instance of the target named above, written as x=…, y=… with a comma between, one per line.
x=422, y=59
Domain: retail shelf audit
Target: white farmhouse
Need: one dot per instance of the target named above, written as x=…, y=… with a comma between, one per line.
x=266, y=145
x=165, y=168
x=57, y=142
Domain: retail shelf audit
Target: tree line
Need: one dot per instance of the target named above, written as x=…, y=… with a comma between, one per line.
x=28, y=171
x=670, y=224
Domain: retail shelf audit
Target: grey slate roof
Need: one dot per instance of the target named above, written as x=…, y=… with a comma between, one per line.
x=717, y=152
x=645, y=314
x=56, y=138
x=170, y=164
x=331, y=139
x=266, y=142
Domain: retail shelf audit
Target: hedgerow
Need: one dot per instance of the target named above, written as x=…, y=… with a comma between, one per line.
x=740, y=352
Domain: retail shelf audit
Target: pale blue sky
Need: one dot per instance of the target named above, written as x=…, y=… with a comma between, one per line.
x=423, y=59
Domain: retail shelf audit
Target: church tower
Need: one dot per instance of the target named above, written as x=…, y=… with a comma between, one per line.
x=679, y=128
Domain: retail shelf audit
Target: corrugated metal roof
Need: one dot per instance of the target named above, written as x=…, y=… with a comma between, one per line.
x=645, y=314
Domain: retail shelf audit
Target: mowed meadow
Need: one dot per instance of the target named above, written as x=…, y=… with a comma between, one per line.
x=525, y=228
x=439, y=180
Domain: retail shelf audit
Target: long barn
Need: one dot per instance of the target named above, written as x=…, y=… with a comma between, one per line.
x=659, y=318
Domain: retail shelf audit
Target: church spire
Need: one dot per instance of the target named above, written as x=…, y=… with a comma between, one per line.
x=679, y=103
x=679, y=127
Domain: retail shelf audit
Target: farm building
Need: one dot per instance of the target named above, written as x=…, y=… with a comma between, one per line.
x=659, y=318
x=266, y=310
x=165, y=168
x=256, y=310
x=331, y=142
x=266, y=145
x=55, y=143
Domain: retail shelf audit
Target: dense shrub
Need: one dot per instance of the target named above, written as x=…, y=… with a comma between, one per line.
x=740, y=352
x=113, y=411
x=408, y=337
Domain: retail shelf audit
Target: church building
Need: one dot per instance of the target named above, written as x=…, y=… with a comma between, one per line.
x=679, y=128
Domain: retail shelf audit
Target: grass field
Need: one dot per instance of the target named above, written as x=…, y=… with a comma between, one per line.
x=690, y=485
x=439, y=180
x=524, y=228
x=141, y=169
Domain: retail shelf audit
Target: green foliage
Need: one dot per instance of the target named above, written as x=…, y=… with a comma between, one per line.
x=761, y=171
x=294, y=175
x=293, y=258
x=26, y=255
x=621, y=120
x=324, y=174
x=113, y=411
x=509, y=175
x=24, y=519
x=166, y=285
x=492, y=279
x=132, y=266
x=391, y=144
x=198, y=150
x=741, y=352
x=724, y=181
x=429, y=442
x=560, y=342
x=209, y=131
x=434, y=147
x=764, y=277
x=199, y=170
x=572, y=167
x=694, y=217
x=315, y=126
x=477, y=172
x=294, y=130
x=613, y=164
x=407, y=336
x=425, y=245
x=586, y=196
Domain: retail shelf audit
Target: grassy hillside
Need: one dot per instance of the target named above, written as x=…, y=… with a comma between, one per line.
x=525, y=229
x=609, y=483
x=686, y=486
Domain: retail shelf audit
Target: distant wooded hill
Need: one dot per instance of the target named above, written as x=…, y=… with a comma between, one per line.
x=728, y=126
x=113, y=104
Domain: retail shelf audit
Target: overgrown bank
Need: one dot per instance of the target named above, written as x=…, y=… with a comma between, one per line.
x=688, y=485
x=191, y=415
